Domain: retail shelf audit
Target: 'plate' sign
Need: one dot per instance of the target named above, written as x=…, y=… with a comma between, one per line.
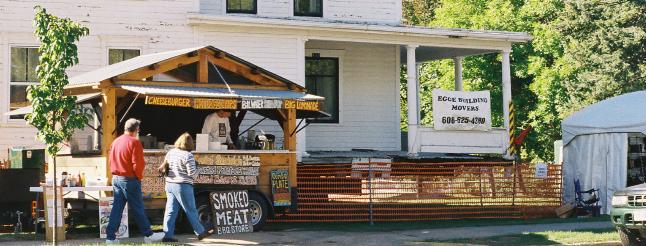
x=231, y=212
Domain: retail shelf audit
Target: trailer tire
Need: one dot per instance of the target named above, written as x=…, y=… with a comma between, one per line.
x=259, y=209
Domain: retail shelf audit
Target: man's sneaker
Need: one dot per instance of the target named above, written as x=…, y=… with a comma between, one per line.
x=116, y=241
x=155, y=237
x=169, y=240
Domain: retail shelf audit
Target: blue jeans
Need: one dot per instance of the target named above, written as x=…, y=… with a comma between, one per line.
x=127, y=190
x=180, y=195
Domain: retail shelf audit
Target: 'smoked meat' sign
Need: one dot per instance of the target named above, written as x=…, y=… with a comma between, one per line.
x=231, y=213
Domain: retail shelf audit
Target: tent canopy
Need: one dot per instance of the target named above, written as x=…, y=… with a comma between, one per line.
x=623, y=113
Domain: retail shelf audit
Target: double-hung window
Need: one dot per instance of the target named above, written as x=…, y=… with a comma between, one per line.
x=242, y=6
x=23, y=74
x=119, y=55
x=322, y=79
x=312, y=8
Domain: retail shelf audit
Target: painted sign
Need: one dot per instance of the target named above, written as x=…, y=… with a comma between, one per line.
x=280, y=187
x=231, y=212
x=541, y=170
x=197, y=103
x=207, y=103
x=169, y=101
x=461, y=110
x=105, y=206
x=261, y=103
x=302, y=105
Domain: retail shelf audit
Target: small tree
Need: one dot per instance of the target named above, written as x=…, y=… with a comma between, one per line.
x=55, y=115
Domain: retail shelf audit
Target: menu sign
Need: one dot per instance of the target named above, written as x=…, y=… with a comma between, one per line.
x=197, y=103
x=280, y=187
x=231, y=212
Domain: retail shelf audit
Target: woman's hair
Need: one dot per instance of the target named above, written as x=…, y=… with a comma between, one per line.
x=185, y=142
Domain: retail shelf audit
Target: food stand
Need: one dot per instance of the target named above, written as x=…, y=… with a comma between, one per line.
x=171, y=93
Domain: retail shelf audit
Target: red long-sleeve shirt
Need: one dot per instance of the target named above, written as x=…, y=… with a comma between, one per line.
x=127, y=157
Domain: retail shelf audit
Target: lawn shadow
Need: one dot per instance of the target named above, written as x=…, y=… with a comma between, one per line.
x=534, y=238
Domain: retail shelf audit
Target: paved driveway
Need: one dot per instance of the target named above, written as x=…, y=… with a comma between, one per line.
x=410, y=237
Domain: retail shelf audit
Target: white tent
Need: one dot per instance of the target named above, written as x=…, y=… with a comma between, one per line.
x=596, y=144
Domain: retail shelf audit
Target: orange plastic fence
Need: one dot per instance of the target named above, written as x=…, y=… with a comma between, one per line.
x=424, y=191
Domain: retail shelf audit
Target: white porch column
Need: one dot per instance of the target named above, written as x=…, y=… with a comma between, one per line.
x=506, y=89
x=301, y=137
x=413, y=109
x=457, y=66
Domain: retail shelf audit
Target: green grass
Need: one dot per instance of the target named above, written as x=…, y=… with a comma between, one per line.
x=417, y=225
x=539, y=238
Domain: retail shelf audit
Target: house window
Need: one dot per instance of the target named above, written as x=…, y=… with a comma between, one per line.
x=119, y=55
x=23, y=74
x=322, y=79
x=242, y=6
x=312, y=8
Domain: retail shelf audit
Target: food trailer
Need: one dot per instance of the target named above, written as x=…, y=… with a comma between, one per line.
x=172, y=93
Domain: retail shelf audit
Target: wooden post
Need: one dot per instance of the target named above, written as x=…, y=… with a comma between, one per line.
x=48, y=197
x=203, y=68
x=109, y=124
x=289, y=126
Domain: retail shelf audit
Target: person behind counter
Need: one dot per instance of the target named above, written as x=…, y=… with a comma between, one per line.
x=127, y=167
x=218, y=127
x=180, y=173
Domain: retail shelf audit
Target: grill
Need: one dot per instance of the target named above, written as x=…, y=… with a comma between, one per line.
x=637, y=201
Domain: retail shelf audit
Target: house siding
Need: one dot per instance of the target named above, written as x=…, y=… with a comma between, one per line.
x=386, y=11
x=369, y=99
x=159, y=25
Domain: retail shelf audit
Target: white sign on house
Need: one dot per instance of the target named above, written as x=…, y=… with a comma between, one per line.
x=461, y=110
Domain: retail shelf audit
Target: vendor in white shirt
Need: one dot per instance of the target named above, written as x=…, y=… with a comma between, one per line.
x=218, y=127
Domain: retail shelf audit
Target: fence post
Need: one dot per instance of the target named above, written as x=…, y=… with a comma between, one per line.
x=371, y=190
x=480, y=184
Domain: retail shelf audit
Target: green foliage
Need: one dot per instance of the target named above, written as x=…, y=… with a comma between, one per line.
x=581, y=52
x=55, y=115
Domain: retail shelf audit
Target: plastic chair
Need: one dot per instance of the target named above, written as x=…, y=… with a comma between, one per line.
x=586, y=201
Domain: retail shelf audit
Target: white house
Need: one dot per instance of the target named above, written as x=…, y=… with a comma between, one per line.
x=350, y=52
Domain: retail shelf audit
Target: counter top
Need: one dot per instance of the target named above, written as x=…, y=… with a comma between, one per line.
x=76, y=188
x=251, y=151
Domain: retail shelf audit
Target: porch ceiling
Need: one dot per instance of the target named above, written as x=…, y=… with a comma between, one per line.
x=428, y=53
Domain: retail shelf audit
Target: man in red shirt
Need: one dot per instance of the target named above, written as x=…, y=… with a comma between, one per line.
x=127, y=167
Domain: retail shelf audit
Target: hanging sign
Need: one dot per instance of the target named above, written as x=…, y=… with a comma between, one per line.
x=261, y=103
x=169, y=101
x=541, y=170
x=197, y=103
x=231, y=212
x=207, y=103
x=461, y=110
x=280, y=187
x=302, y=105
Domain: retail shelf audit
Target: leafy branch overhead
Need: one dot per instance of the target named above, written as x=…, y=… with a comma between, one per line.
x=54, y=114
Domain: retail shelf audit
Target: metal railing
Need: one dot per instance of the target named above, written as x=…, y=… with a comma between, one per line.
x=423, y=191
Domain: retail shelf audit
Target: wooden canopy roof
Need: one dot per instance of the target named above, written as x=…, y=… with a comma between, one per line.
x=204, y=66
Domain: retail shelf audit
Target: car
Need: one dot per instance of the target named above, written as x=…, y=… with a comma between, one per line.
x=628, y=214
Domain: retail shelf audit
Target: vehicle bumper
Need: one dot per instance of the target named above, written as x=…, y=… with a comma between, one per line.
x=623, y=218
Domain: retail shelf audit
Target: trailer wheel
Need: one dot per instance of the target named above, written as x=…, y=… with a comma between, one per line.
x=259, y=209
x=204, y=213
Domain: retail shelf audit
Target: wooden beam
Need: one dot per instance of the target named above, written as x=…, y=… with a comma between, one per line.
x=108, y=124
x=244, y=71
x=203, y=68
x=289, y=143
x=145, y=72
x=80, y=90
x=201, y=85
